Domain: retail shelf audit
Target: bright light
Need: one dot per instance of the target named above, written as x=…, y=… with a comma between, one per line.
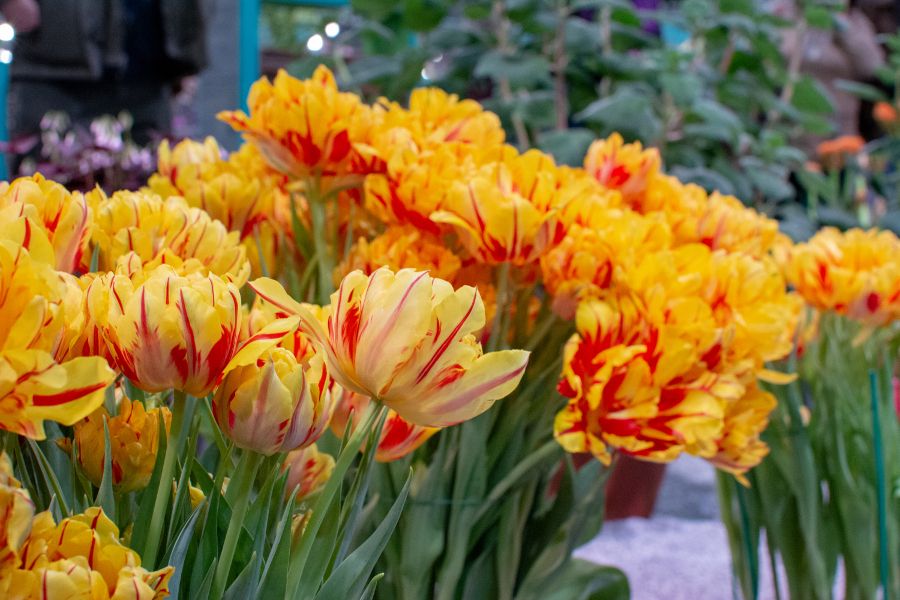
x=315, y=43
x=7, y=33
x=5, y=56
x=425, y=75
x=332, y=29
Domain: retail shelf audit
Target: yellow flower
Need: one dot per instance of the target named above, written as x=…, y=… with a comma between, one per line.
x=17, y=510
x=296, y=342
x=35, y=302
x=398, y=437
x=64, y=216
x=146, y=231
x=585, y=263
x=620, y=166
x=634, y=384
x=308, y=471
x=855, y=273
x=133, y=437
x=740, y=449
x=240, y=191
x=174, y=332
x=87, y=548
x=406, y=339
x=275, y=404
x=304, y=128
x=508, y=211
x=399, y=248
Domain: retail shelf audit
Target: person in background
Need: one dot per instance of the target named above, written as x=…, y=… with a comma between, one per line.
x=89, y=58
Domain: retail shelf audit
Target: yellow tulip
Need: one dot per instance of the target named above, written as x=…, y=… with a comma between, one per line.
x=133, y=437
x=174, y=332
x=274, y=404
x=621, y=166
x=507, y=211
x=303, y=128
x=64, y=216
x=308, y=470
x=17, y=510
x=151, y=231
x=406, y=340
x=35, y=303
x=855, y=273
x=740, y=448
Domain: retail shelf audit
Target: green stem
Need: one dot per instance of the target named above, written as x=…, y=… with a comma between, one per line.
x=880, y=486
x=498, y=333
x=242, y=483
x=324, y=250
x=164, y=491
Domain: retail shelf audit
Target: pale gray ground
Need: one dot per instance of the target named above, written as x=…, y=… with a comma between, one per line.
x=681, y=552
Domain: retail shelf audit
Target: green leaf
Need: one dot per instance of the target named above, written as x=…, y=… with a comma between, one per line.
x=583, y=580
x=810, y=96
x=350, y=577
x=369, y=592
x=423, y=15
x=273, y=582
x=245, y=583
x=148, y=496
x=178, y=554
x=569, y=146
x=863, y=90
x=522, y=70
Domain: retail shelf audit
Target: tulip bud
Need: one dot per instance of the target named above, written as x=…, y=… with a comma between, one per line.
x=275, y=404
x=308, y=470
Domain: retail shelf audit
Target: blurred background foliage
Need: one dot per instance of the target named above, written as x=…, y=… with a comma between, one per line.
x=705, y=81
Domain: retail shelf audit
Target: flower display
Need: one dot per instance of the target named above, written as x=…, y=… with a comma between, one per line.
x=855, y=273
x=134, y=440
x=275, y=404
x=398, y=248
x=406, y=339
x=178, y=332
x=621, y=166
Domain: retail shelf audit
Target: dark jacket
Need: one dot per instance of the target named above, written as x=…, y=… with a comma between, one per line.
x=85, y=40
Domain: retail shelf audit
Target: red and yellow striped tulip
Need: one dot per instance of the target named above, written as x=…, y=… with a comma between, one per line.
x=308, y=470
x=621, y=166
x=406, y=340
x=174, y=332
x=274, y=404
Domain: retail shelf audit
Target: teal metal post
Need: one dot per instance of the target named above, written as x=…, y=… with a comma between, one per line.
x=4, y=130
x=248, y=47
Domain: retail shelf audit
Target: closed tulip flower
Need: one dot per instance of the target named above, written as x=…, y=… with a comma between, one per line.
x=274, y=404
x=174, y=332
x=134, y=440
x=406, y=339
x=308, y=470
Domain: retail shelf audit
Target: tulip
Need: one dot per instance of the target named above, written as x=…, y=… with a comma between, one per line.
x=17, y=510
x=274, y=404
x=623, y=167
x=405, y=339
x=133, y=437
x=398, y=436
x=64, y=217
x=308, y=471
x=174, y=332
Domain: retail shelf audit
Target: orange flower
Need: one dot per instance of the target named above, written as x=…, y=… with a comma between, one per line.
x=739, y=448
x=398, y=436
x=620, y=166
x=305, y=129
x=508, y=211
x=855, y=273
x=885, y=113
x=406, y=339
x=833, y=153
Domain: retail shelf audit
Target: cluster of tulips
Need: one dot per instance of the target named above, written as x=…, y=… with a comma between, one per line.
x=228, y=360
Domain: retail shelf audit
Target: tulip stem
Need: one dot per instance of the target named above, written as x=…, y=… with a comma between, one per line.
x=164, y=491
x=324, y=250
x=498, y=335
x=242, y=485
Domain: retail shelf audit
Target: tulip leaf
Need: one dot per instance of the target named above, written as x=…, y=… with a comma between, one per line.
x=178, y=554
x=48, y=475
x=105, y=497
x=245, y=583
x=148, y=496
x=369, y=592
x=273, y=581
x=318, y=563
x=583, y=580
x=349, y=579
x=181, y=507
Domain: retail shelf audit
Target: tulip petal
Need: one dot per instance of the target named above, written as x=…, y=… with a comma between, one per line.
x=262, y=340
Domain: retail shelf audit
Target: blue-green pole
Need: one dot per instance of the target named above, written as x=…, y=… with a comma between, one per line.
x=880, y=485
x=4, y=130
x=248, y=47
